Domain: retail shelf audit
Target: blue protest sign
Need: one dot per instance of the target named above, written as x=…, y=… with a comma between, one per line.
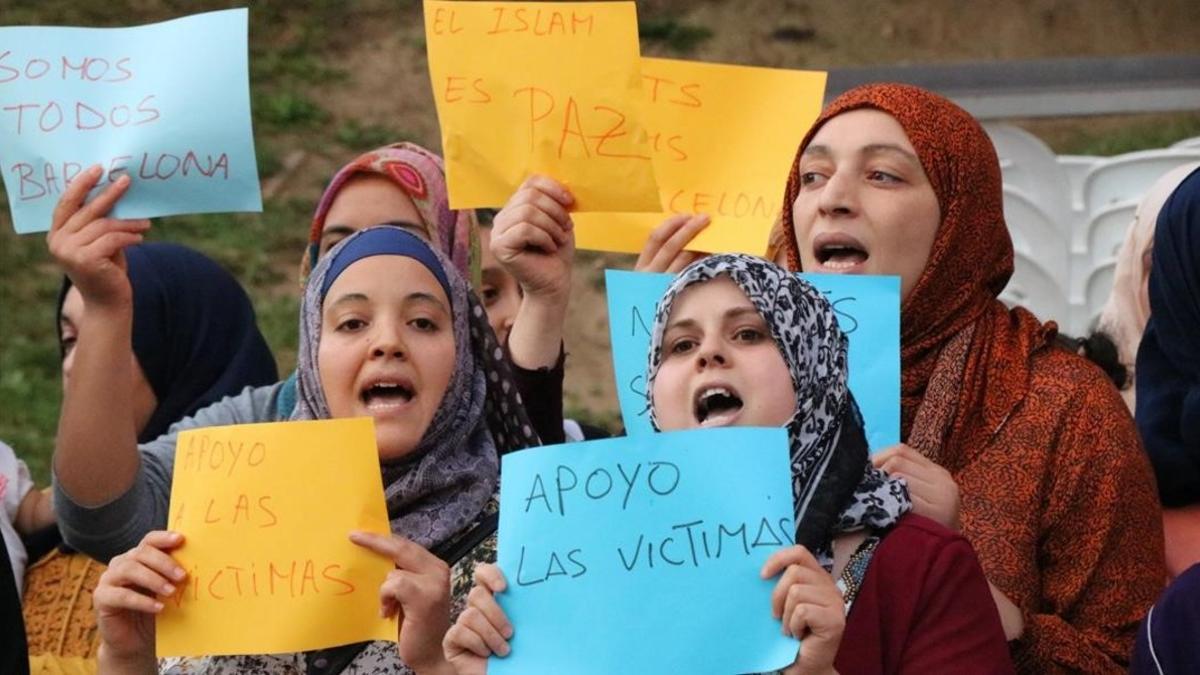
x=868, y=311
x=167, y=104
x=642, y=554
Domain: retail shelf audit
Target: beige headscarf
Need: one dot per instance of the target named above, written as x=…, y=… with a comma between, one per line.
x=1128, y=308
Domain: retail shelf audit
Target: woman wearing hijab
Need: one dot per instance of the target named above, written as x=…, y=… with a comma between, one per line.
x=194, y=341
x=1056, y=495
x=439, y=455
x=1168, y=360
x=868, y=588
x=1125, y=313
x=102, y=484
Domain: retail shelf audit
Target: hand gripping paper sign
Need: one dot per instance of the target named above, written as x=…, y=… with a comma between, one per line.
x=642, y=554
x=540, y=87
x=266, y=510
x=867, y=310
x=167, y=104
x=722, y=139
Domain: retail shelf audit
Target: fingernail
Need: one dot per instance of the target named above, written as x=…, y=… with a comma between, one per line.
x=158, y=606
x=94, y=170
x=177, y=572
x=504, y=649
x=123, y=180
x=507, y=633
x=167, y=589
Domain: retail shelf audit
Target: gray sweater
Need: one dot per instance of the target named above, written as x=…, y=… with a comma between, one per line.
x=113, y=528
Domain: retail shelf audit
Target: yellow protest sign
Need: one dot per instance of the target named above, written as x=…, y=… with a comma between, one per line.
x=723, y=139
x=540, y=87
x=265, y=510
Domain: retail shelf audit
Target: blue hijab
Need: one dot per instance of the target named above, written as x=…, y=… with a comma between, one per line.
x=194, y=332
x=1168, y=360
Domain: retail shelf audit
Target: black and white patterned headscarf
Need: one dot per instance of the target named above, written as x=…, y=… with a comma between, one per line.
x=442, y=486
x=836, y=488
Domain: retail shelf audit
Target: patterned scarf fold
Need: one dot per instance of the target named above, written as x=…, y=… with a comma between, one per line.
x=836, y=489
x=422, y=176
x=969, y=265
x=442, y=486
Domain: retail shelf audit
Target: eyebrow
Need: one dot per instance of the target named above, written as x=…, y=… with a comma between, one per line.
x=872, y=149
x=416, y=296
x=733, y=313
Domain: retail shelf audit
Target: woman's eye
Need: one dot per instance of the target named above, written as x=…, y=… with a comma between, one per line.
x=351, y=325
x=424, y=325
x=882, y=177
x=810, y=178
x=682, y=346
x=749, y=335
x=67, y=344
x=490, y=295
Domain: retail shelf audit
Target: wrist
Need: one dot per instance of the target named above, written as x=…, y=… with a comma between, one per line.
x=440, y=666
x=142, y=661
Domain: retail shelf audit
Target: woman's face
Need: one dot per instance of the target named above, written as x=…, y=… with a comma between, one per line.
x=387, y=348
x=142, y=394
x=865, y=205
x=367, y=200
x=500, y=291
x=720, y=366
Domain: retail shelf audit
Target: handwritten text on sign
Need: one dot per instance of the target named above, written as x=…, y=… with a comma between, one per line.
x=630, y=554
x=867, y=309
x=166, y=104
x=540, y=87
x=265, y=510
x=723, y=138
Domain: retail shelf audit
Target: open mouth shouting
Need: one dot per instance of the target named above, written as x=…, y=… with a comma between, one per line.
x=385, y=394
x=716, y=406
x=839, y=253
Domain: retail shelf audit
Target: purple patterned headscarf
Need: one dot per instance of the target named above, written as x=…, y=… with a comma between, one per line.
x=442, y=486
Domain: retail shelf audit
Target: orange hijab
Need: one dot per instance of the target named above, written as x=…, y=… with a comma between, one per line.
x=954, y=301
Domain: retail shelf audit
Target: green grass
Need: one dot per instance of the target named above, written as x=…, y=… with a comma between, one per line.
x=682, y=38
x=1136, y=135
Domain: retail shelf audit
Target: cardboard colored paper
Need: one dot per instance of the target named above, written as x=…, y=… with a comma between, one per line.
x=723, y=139
x=266, y=510
x=167, y=104
x=867, y=309
x=540, y=87
x=631, y=554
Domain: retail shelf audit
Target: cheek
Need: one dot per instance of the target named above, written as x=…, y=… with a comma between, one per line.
x=669, y=397
x=336, y=372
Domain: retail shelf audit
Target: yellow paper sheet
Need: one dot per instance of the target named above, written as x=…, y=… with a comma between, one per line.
x=266, y=510
x=540, y=87
x=723, y=140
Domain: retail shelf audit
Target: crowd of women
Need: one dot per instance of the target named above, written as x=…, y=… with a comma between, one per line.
x=1019, y=526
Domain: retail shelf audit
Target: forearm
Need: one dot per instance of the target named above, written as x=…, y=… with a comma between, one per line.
x=97, y=411
x=537, y=333
x=1010, y=615
x=36, y=512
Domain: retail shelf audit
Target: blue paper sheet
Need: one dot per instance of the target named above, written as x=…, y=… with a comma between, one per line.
x=867, y=308
x=642, y=554
x=168, y=104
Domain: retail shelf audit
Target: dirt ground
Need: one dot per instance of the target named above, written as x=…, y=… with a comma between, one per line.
x=388, y=85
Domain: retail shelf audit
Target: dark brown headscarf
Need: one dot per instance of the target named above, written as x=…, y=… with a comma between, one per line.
x=985, y=373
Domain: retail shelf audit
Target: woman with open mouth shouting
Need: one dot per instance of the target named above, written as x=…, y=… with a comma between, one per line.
x=388, y=330
x=868, y=587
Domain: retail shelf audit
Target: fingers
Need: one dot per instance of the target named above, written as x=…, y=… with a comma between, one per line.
x=804, y=599
x=491, y=578
x=792, y=555
x=478, y=623
x=73, y=197
x=484, y=603
x=461, y=639
x=665, y=243
x=548, y=186
x=682, y=260
x=99, y=206
x=133, y=578
x=533, y=233
x=405, y=554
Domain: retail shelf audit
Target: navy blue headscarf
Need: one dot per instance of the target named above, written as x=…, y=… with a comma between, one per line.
x=1168, y=361
x=194, y=332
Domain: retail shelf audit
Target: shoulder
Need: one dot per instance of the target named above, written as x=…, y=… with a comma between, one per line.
x=250, y=405
x=917, y=538
x=1058, y=375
